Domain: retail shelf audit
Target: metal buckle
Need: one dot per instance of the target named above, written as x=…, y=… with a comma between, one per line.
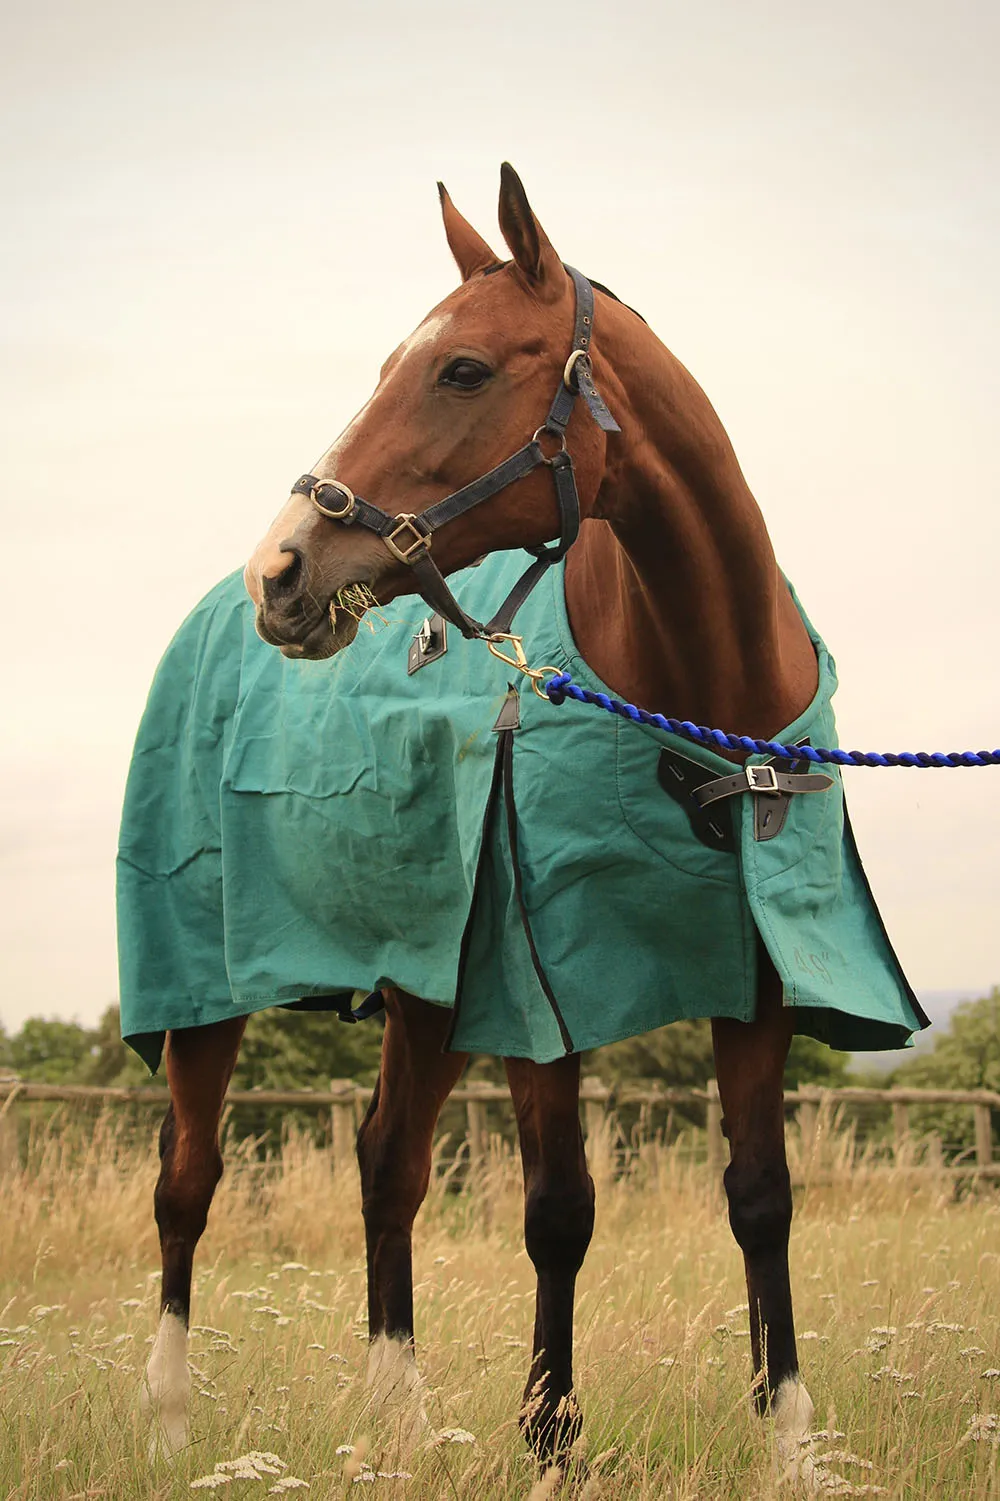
x=425, y=636
x=762, y=779
x=421, y=542
x=548, y=457
x=333, y=484
x=571, y=363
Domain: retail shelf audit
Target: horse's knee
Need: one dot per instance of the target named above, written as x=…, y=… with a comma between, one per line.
x=558, y=1222
x=760, y=1204
x=394, y=1179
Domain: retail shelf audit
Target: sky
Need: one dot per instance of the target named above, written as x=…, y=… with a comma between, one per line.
x=221, y=219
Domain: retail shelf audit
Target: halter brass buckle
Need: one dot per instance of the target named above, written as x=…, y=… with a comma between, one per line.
x=421, y=542
x=333, y=484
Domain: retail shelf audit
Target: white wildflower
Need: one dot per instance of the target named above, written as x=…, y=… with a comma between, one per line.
x=344, y=1449
x=288, y=1483
x=992, y=1374
x=209, y=1482
x=842, y=1457
x=293, y=1266
x=453, y=1436
x=984, y=1427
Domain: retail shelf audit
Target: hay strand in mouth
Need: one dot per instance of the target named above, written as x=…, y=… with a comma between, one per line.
x=357, y=601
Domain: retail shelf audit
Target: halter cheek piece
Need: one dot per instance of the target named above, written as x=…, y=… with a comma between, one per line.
x=408, y=537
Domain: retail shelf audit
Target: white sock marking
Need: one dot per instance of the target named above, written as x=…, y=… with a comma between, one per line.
x=393, y=1380
x=793, y=1412
x=168, y=1385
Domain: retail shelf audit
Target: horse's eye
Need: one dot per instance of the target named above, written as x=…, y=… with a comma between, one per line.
x=466, y=374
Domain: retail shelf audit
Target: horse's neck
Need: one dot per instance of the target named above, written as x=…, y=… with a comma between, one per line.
x=675, y=597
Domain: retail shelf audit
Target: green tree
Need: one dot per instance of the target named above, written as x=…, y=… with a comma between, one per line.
x=111, y=1061
x=680, y=1055
x=966, y=1056
x=306, y=1049
x=49, y=1051
x=812, y=1062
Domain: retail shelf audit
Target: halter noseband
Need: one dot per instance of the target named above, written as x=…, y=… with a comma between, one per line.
x=408, y=536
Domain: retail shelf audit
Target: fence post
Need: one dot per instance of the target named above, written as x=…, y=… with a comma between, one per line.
x=8, y=1133
x=808, y=1118
x=592, y=1094
x=900, y=1129
x=342, y=1120
x=475, y=1115
x=984, y=1135
x=713, y=1133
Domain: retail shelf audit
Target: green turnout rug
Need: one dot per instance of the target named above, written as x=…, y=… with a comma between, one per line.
x=295, y=830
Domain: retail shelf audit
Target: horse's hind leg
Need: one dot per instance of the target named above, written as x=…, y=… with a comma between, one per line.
x=558, y=1224
x=200, y=1062
x=394, y=1155
x=749, y=1064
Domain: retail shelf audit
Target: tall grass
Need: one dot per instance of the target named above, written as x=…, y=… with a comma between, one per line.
x=897, y=1290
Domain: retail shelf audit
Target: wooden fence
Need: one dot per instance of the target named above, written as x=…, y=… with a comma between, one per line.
x=346, y=1102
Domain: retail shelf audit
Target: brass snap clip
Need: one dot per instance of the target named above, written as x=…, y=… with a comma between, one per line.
x=519, y=661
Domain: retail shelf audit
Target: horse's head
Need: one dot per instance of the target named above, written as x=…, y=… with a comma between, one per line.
x=461, y=394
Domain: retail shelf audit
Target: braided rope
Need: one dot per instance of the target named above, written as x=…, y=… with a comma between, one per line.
x=562, y=686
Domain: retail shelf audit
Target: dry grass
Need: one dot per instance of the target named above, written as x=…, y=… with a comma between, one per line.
x=896, y=1292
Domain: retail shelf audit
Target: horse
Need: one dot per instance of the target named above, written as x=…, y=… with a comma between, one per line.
x=674, y=597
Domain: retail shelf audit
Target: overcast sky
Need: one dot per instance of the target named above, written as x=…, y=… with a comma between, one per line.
x=224, y=218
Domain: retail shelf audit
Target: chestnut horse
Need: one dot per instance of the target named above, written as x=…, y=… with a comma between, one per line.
x=675, y=598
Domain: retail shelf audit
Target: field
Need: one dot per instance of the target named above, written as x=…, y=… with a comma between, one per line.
x=897, y=1290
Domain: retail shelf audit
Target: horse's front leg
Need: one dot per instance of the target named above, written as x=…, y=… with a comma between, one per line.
x=394, y=1154
x=558, y=1224
x=200, y=1062
x=749, y=1064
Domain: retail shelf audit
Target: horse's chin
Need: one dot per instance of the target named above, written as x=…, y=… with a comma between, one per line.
x=331, y=634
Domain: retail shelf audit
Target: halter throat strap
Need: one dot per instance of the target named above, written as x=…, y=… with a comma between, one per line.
x=408, y=536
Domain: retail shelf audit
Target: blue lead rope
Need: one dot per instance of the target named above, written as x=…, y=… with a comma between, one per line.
x=562, y=686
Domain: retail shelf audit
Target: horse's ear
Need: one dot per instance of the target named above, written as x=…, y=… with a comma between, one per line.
x=529, y=244
x=467, y=246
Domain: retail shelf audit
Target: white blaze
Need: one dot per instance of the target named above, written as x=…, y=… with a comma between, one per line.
x=168, y=1385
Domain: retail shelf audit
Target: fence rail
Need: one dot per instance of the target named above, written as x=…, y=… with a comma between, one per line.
x=346, y=1102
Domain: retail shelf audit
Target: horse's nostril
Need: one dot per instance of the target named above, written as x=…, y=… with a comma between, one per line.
x=287, y=584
